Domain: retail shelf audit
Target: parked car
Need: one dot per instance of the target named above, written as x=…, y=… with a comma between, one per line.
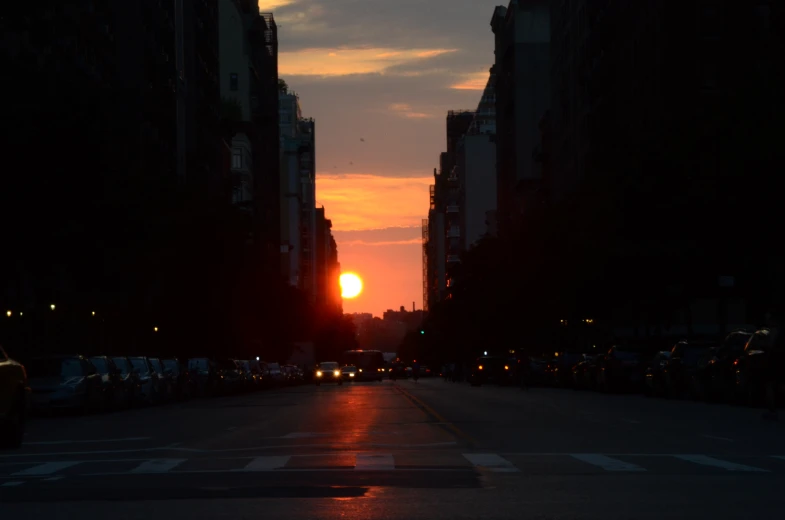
x=112, y=384
x=14, y=401
x=65, y=383
x=715, y=375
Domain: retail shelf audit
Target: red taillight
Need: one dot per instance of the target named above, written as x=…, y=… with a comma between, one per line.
x=479, y=367
x=736, y=362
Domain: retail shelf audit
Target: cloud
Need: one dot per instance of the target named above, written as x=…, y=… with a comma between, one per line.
x=271, y=5
x=476, y=81
x=337, y=23
x=348, y=108
x=364, y=201
x=340, y=61
x=405, y=110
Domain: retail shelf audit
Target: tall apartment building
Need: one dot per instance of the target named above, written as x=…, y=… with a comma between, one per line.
x=476, y=169
x=298, y=195
x=444, y=213
x=235, y=84
x=522, y=60
x=328, y=269
x=669, y=118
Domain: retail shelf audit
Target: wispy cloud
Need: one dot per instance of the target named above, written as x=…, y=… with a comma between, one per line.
x=270, y=5
x=345, y=61
x=476, y=81
x=406, y=110
x=365, y=201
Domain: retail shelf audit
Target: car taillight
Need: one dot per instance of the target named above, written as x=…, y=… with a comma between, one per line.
x=479, y=367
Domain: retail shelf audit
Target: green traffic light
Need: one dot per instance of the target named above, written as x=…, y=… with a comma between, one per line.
x=422, y=332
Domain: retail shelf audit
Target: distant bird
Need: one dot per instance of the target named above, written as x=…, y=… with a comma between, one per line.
x=350, y=162
x=362, y=139
x=334, y=166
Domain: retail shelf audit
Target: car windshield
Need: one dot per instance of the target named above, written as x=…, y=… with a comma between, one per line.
x=122, y=365
x=140, y=364
x=171, y=364
x=328, y=365
x=349, y=369
x=198, y=364
x=100, y=364
x=55, y=367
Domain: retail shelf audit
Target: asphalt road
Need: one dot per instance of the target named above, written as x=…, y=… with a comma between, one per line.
x=405, y=450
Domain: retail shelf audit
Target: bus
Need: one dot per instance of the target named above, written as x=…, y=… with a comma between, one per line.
x=369, y=363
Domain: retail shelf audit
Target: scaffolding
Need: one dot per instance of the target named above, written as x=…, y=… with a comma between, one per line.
x=425, y=264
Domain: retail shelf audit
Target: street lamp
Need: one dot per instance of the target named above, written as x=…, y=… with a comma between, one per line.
x=52, y=306
x=8, y=313
x=155, y=329
x=93, y=313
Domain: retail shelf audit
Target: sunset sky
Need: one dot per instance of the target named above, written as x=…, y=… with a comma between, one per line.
x=386, y=72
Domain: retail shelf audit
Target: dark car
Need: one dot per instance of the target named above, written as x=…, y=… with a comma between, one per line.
x=655, y=374
x=182, y=386
x=753, y=365
x=328, y=372
x=204, y=375
x=492, y=369
x=715, y=374
x=622, y=368
x=114, y=389
x=682, y=365
x=129, y=378
x=65, y=382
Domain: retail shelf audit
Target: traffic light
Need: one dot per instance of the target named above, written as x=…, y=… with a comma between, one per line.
x=422, y=331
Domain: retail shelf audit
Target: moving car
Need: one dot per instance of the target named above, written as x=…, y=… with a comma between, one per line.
x=349, y=373
x=328, y=372
x=14, y=401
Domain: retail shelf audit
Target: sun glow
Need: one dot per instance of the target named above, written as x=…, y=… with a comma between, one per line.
x=351, y=285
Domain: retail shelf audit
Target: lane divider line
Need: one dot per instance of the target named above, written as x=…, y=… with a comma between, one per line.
x=437, y=416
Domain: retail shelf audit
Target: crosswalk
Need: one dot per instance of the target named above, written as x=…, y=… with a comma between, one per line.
x=12, y=473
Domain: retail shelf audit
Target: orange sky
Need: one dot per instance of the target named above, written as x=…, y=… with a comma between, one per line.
x=379, y=77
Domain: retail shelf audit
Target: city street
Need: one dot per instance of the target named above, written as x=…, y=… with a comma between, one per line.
x=402, y=450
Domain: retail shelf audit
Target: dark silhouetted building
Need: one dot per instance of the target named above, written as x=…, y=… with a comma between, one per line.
x=522, y=50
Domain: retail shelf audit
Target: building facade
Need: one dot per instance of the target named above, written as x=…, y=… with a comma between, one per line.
x=298, y=195
x=522, y=63
x=328, y=269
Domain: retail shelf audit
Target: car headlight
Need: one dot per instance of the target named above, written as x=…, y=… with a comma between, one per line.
x=361, y=370
x=337, y=373
x=318, y=373
x=351, y=374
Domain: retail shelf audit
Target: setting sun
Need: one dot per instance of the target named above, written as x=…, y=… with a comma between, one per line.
x=351, y=285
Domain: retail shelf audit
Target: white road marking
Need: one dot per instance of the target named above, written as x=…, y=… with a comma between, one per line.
x=157, y=465
x=94, y=441
x=267, y=463
x=606, y=463
x=705, y=460
x=491, y=461
x=374, y=462
x=12, y=483
x=717, y=438
x=52, y=479
x=47, y=468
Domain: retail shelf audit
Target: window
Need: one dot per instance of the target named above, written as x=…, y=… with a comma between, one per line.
x=237, y=160
x=233, y=81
